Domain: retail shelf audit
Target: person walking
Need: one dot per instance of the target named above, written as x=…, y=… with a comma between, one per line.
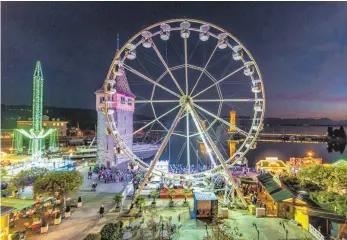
x=102, y=211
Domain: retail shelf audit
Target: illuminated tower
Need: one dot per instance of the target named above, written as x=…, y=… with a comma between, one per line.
x=232, y=147
x=232, y=128
x=122, y=101
x=36, y=134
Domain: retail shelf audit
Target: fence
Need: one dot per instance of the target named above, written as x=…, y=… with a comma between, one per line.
x=129, y=188
x=317, y=234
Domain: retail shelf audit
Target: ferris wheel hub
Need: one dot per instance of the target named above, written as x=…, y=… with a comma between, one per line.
x=186, y=100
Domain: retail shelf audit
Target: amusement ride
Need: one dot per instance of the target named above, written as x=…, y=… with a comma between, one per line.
x=190, y=93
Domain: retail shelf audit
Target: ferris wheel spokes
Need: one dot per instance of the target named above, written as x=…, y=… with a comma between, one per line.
x=156, y=119
x=157, y=101
x=186, y=65
x=127, y=67
x=167, y=67
x=239, y=130
x=229, y=75
x=203, y=70
x=229, y=100
x=188, y=146
x=202, y=135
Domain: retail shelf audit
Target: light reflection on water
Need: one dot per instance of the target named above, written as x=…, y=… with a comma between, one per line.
x=286, y=150
x=267, y=149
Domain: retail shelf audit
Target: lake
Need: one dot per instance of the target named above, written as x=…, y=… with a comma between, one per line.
x=283, y=151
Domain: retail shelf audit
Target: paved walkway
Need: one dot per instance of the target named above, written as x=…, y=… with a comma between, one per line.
x=269, y=228
x=82, y=219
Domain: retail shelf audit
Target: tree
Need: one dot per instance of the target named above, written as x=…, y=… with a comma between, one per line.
x=27, y=177
x=331, y=179
x=93, y=236
x=186, y=192
x=294, y=184
x=333, y=201
x=317, y=174
x=140, y=202
x=110, y=231
x=171, y=193
x=118, y=199
x=58, y=183
x=154, y=194
x=338, y=179
x=4, y=174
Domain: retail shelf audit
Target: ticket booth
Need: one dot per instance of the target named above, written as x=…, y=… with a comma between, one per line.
x=205, y=205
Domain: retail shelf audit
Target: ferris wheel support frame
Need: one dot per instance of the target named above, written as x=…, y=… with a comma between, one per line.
x=220, y=157
x=157, y=156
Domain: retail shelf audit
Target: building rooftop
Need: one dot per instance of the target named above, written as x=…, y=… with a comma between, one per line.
x=207, y=196
x=322, y=213
x=6, y=210
x=277, y=192
x=18, y=204
x=271, y=163
x=122, y=85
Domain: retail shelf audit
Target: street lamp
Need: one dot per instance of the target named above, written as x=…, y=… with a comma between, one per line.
x=256, y=228
x=206, y=230
x=284, y=227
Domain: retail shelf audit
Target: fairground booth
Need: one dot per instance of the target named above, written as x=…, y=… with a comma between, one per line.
x=5, y=222
x=320, y=222
x=295, y=164
x=279, y=200
x=272, y=165
x=205, y=205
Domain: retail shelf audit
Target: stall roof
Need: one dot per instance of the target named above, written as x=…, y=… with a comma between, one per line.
x=321, y=213
x=18, y=204
x=208, y=196
x=6, y=210
x=277, y=192
x=305, y=198
x=271, y=163
x=247, y=180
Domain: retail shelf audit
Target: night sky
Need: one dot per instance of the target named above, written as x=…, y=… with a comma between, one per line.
x=301, y=48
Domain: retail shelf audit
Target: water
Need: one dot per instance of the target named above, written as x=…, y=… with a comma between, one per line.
x=286, y=150
x=283, y=151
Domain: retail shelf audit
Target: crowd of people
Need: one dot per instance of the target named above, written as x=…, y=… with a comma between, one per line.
x=182, y=168
x=108, y=175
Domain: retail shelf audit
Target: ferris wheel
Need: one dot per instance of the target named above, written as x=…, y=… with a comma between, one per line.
x=188, y=75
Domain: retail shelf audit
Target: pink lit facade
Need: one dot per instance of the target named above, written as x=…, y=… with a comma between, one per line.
x=123, y=106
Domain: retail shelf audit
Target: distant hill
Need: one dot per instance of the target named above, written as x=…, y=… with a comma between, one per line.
x=87, y=118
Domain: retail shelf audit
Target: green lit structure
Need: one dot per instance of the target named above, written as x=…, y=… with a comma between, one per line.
x=36, y=134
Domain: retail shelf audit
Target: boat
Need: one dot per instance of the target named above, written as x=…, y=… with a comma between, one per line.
x=82, y=152
x=142, y=150
x=145, y=150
